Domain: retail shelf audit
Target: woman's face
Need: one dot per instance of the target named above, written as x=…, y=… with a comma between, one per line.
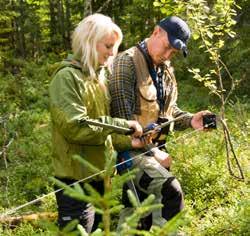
x=105, y=48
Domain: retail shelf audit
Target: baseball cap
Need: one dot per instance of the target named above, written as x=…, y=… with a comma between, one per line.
x=178, y=32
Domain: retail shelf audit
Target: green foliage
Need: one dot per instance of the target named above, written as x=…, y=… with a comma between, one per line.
x=170, y=7
x=222, y=27
x=137, y=20
x=24, y=229
x=109, y=203
x=216, y=204
x=212, y=196
x=212, y=24
x=25, y=118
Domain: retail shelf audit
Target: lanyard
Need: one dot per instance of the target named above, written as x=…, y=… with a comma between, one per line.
x=156, y=77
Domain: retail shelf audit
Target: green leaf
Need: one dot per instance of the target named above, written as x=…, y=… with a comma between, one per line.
x=97, y=232
x=231, y=34
x=149, y=200
x=221, y=43
x=132, y=198
x=116, y=209
x=195, y=36
x=207, y=43
x=82, y=230
x=157, y=4
x=210, y=34
x=164, y=10
x=78, y=188
x=70, y=226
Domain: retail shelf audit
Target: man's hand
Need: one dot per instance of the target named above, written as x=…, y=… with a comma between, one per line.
x=197, y=120
x=162, y=157
x=152, y=131
x=138, y=131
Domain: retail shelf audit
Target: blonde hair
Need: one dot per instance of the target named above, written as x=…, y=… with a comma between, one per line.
x=86, y=36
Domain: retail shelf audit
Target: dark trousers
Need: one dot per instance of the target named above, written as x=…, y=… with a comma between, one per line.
x=172, y=199
x=70, y=208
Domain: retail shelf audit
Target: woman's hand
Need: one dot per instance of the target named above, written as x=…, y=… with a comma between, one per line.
x=142, y=142
x=138, y=130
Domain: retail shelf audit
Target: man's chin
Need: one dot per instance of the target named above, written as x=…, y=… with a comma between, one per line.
x=158, y=62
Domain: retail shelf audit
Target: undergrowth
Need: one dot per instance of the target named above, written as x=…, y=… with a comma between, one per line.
x=216, y=203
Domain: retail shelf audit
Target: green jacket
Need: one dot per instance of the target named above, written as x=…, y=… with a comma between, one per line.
x=74, y=97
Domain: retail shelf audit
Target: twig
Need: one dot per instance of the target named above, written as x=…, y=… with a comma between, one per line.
x=103, y=6
x=16, y=220
x=4, y=154
x=5, y=149
x=232, y=81
x=227, y=137
x=229, y=144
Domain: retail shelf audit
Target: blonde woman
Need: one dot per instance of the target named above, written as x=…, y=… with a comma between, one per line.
x=77, y=92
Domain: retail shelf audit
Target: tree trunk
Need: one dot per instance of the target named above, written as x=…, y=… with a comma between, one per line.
x=13, y=221
x=20, y=30
x=87, y=8
x=67, y=23
x=53, y=25
x=61, y=22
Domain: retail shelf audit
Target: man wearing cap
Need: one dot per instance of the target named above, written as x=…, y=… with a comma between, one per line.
x=143, y=87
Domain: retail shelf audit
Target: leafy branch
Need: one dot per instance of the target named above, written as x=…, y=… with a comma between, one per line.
x=108, y=204
x=5, y=145
x=212, y=24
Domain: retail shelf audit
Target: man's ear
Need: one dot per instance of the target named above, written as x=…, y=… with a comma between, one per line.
x=157, y=30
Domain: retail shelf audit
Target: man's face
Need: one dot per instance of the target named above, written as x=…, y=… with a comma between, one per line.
x=160, y=49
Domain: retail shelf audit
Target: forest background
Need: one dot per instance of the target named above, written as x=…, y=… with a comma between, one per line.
x=35, y=36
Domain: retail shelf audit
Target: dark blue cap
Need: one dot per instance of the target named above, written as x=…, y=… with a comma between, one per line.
x=178, y=32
